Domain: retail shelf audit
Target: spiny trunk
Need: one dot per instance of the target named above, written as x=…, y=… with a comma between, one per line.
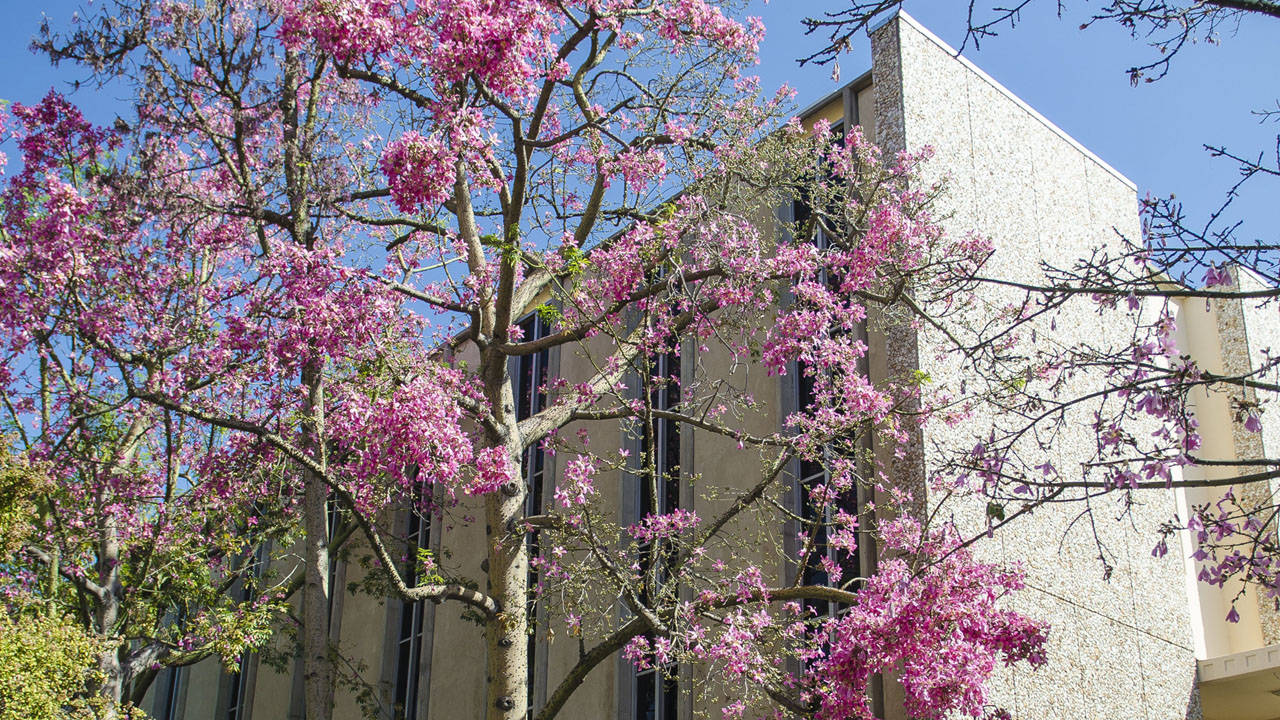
x=506, y=636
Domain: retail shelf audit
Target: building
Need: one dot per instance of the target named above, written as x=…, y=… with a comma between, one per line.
x=1147, y=643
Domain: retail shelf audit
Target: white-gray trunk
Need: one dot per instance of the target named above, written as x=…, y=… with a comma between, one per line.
x=506, y=636
x=317, y=664
x=112, y=687
x=317, y=658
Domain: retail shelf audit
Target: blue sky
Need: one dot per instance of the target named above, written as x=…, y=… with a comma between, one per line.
x=1152, y=133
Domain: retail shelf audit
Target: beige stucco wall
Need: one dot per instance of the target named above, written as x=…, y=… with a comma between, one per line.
x=1262, y=334
x=1214, y=334
x=1238, y=660
x=1120, y=648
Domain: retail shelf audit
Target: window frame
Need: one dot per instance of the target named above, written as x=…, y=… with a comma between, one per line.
x=672, y=688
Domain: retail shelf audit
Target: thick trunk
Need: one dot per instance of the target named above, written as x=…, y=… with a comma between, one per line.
x=106, y=612
x=112, y=687
x=317, y=660
x=506, y=636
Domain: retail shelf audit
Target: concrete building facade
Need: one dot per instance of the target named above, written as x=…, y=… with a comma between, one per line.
x=1146, y=643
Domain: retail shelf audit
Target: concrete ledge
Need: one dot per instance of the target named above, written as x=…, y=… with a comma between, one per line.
x=1241, y=663
x=1241, y=686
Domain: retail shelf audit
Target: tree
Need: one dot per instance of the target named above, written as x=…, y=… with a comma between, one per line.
x=1149, y=382
x=126, y=536
x=249, y=297
x=44, y=663
x=46, y=660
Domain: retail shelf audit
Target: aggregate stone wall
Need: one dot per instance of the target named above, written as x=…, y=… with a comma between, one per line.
x=1256, y=343
x=1119, y=648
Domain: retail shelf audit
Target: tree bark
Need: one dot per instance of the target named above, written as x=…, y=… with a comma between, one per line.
x=317, y=658
x=106, y=609
x=506, y=635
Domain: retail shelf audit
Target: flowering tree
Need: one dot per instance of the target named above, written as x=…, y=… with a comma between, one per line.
x=295, y=280
x=1156, y=394
x=126, y=535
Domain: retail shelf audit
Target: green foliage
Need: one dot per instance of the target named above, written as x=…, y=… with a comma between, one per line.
x=1016, y=384
x=549, y=313
x=44, y=668
x=920, y=377
x=233, y=630
x=20, y=483
x=576, y=261
x=508, y=247
x=665, y=212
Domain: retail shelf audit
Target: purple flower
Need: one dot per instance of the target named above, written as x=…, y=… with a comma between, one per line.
x=1215, y=276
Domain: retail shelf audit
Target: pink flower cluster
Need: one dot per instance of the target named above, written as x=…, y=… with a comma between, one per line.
x=936, y=624
x=349, y=29
x=420, y=171
x=503, y=43
x=493, y=469
x=654, y=527
x=409, y=434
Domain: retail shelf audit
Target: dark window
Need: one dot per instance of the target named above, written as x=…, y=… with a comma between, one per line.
x=657, y=689
x=333, y=523
x=236, y=708
x=238, y=681
x=818, y=515
x=531, y=398
x=665, y=481
x=169, y=693
x=410, y=639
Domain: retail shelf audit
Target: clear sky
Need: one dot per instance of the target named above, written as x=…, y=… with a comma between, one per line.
x=1152, y=133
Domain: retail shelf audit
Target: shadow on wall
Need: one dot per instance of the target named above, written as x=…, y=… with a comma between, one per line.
x=1194, y=709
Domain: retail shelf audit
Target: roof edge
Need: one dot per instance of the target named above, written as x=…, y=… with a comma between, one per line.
x=903, y=16
x=857, y=84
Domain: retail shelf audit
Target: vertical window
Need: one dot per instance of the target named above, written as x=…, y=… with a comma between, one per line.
x=237, y=709
x=657, y=689
x=169, y=692
x=531, y=398
x=818, y=514
x=530, y=383
x=410, y=639
x=238, y=681
x=818, y=517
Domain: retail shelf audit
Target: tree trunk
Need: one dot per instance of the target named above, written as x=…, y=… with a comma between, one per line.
x=506, y=636
x=106, y=612
x=317, y=665
x=317, y=662
x=112, y=686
